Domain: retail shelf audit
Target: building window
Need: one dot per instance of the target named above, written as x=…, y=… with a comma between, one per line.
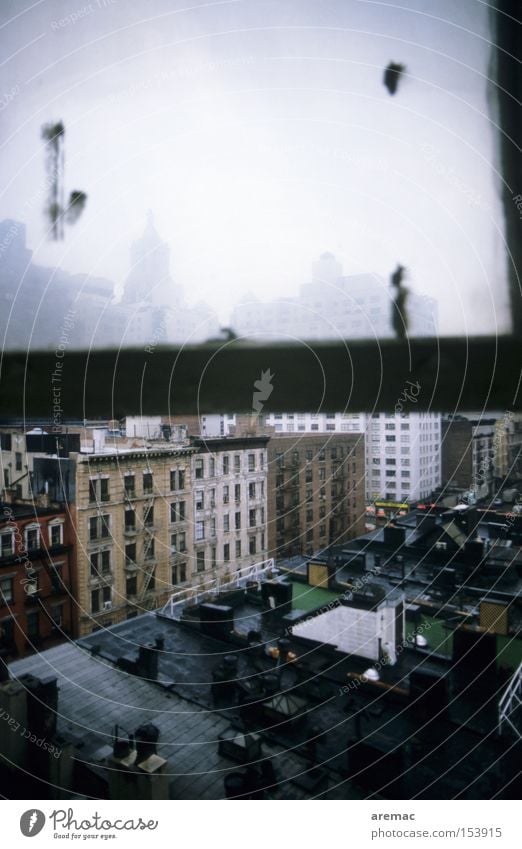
x=238, y=548
x=309, y=535
x=251, y=491
x=6, y=590
x=33, y=625
x=198, y=468
x=129, y=482
x=106, y=596
x=177, y=511
x=18, y=461
x=92, y=491
x=7, y=544
x=226, y=495
x=200, y=531
x=130, y=554
x=237, y=463
x=309, y=514
x=32, y=538
x=252, y=545
x=200, y=501
x=200, y=561
x=390, y=439
x=226, y=464
x=148, y=517
x=95, y=601
x=309, y=476
x=131, y=585
x=213, y=527
x=177, y=543
x=238, y=521
x=99, y=527
x=322, y=474
x=251, y=462
x=212, y=467
x=226, y=552
x=252, y=518
x=57, y=615
x=179, y=573
x=148, y=485
x=130, y=521
x=322, y=530
x=237, y=493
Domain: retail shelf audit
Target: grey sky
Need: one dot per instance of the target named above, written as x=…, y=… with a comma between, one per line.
x=260, y=134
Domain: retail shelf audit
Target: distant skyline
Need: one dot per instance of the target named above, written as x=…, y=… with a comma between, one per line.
x=261, y=135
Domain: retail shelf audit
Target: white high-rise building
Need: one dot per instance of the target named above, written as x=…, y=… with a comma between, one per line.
x=402, y=449
x=334, y=306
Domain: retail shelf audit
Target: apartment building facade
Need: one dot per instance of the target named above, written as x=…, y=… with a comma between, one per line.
x=402, y=449
x=315, y=492
x=229, y=503
x=468, y=454
x=152, y=521
x=36, y=604
x=134, y=519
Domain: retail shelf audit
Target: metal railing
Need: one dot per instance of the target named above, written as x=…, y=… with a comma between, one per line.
x=509, y=703
x=211, y=588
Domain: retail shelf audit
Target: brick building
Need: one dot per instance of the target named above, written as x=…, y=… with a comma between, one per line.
x=36, y=605
x=315, y=491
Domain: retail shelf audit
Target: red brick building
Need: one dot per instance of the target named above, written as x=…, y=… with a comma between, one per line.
x=35, y=578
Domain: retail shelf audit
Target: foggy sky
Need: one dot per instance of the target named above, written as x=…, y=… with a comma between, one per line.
x=260, y=134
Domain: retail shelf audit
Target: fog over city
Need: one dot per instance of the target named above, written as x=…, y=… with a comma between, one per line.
x=261, y=135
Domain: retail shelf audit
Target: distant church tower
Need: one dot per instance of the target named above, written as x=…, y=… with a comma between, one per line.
x=149, y=279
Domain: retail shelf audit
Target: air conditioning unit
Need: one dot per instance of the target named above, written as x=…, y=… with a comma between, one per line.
x=107, y=605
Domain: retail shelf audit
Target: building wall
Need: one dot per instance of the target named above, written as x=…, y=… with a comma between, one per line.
x=468, y=452
x=230, y=503
x=402, y=454
x=125, y=581
x=315, y=492
x=36, y=605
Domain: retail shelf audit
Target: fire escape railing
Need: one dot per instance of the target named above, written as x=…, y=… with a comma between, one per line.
x=509, y=703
